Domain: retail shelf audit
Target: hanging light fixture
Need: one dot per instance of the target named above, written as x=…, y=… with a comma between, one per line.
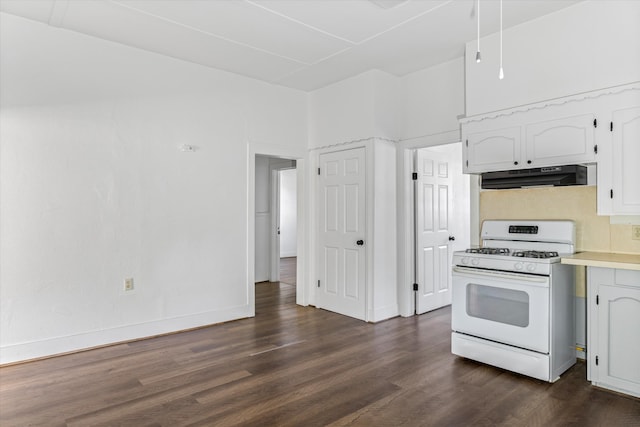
x=478, y=57
x=501, y=73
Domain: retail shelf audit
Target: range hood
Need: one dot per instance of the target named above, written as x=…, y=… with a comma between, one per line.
x=536, y=177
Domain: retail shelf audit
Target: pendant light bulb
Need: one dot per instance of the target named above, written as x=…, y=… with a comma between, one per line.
x=478, y=57
x=501, y=74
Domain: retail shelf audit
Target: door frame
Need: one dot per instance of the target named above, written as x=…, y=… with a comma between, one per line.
x=406, y=209
x=287, y=153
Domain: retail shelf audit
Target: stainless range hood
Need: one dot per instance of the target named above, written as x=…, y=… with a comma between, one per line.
x=536, y=177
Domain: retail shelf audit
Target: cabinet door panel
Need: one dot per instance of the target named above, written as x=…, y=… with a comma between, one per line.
x=626, y=157
x=563, y=141
x=494, y=150
x=619, y=341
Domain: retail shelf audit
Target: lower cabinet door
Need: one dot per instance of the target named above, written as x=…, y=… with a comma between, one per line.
x=618, y=345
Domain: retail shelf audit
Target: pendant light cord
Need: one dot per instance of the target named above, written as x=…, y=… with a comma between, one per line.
x=478, y=58
x=501, y=73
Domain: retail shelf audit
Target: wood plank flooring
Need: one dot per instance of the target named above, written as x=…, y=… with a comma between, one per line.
x=288, y=268
x=298, y=366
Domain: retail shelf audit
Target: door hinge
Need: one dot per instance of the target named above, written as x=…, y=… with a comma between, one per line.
x=415, y=286
x=318, y=283
x=467, y=163
x=597, y=360
x=611, y=126
x=595, y=148
x=595, y=123
x=611, y=193
x=597, y=299
x=414, y=176
x=467, y=142
x=318, y=171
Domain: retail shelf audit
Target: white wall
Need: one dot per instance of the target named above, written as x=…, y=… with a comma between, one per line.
x=384, y=303
x=432, y=99
x=591, y=45
x=357, y=108
x=94, y=189
x=288, y=213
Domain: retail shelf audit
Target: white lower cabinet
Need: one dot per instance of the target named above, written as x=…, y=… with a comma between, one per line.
x=613, y=327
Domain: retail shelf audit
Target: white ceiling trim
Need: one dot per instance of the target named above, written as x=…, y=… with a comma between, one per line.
x=297, y=21
x=406, y=21
x=219, y=37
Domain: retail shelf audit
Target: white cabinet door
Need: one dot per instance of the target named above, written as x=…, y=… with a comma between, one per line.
x=614, y=329
x=619, y=337
x=626, y=161
x=342, y=280
x=493, y=150
x=564, y=141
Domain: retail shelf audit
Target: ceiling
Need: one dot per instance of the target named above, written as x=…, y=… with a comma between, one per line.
x=302, y=44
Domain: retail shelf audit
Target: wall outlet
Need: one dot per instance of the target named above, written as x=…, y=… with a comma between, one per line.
x=635, y=232
x=128, y=284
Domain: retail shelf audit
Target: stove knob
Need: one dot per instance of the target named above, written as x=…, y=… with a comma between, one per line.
x=531, y=267
x=475, y=261
x=519, y=266
x=465, y=260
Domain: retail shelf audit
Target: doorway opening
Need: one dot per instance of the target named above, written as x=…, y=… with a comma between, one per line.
x=275, y=260
x=428, y=238
x=286, y=214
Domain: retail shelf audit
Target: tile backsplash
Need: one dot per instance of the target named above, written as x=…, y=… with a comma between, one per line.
x=577, y=203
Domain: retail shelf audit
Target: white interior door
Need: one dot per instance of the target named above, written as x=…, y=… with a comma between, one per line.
x=433, y=202
x=342, y=281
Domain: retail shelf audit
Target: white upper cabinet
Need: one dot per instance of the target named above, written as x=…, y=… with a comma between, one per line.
x=560, y=142
x=619, y=158
x=491, y=150
x=600, y=127
x=550, y=136
x=626, y=160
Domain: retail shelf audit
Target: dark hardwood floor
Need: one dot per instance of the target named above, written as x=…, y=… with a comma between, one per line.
x=288, y=268
x=298, y=366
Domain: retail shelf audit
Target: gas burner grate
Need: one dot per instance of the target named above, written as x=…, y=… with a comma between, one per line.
x=488, y=251
x=535, y=254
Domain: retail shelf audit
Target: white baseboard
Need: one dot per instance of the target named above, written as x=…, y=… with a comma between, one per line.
x=65, y=344
x=383, y=313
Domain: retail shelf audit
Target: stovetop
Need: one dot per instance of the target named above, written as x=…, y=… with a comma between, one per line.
x=530, y=261
x=531, y=246
x=522, y=253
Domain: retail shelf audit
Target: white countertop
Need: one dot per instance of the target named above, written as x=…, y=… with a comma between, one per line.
x=604, y=259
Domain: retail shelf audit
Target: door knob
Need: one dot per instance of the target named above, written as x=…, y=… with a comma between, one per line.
x=360, y=242
x=452, y=238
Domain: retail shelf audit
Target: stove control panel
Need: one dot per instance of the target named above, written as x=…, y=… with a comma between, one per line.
x=523, y=229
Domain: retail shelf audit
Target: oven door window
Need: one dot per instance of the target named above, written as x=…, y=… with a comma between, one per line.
x=507, y=306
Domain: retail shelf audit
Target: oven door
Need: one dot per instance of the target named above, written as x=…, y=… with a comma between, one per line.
x=509, y=308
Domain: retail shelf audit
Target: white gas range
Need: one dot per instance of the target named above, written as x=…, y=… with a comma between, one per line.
x=513, y=301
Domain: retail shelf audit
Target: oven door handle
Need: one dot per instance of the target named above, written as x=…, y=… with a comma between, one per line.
x=532, y=278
